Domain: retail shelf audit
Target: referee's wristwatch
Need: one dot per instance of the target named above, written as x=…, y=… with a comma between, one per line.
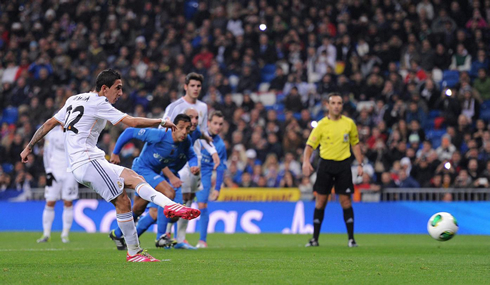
x=361, y=164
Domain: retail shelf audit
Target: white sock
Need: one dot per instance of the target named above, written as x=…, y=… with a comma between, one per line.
x=149, y=194
x=48, y=218
x=67, y=220
x=181, y=229
x=169, y=227
x=182, y=226
x=125, y=222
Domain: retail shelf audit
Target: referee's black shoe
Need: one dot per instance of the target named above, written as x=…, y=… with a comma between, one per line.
x=312, y=242
x=352, y=243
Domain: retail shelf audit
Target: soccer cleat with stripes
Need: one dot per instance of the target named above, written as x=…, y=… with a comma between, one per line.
x=312, y=242
x=165, y=242
x=202, y=244
x=65, y=239
x=120, y=242
x=43, y=239
x=183, y=245
x=352, y=243
x=142, y=256
x=177, y=210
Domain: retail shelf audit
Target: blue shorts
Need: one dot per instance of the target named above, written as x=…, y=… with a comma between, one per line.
x=203, y=195
x=153, y=178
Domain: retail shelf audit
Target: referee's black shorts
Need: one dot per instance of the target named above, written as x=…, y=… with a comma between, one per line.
x=332, y=173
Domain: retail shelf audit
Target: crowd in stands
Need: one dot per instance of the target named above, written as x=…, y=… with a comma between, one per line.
x=413, y=76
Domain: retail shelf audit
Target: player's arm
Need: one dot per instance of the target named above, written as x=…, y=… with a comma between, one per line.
x=311, y=144
x=174, y=180
x=139, y=122
x=220, y=173
x=38, y=135
x=207, y=144
x=146, y=135
x=356, y=148
x=192, y=159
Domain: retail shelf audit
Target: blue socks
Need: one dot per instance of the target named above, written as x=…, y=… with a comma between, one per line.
x=144, y=223
x=204, y=224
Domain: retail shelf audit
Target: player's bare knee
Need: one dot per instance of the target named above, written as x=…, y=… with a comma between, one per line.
x=153, y=212
x=68, y=203
x=122, y=203
x=50, y=203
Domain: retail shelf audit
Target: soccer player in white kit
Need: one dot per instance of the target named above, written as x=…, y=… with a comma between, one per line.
x=189, y=182
x=83, y=117
x=60, y=184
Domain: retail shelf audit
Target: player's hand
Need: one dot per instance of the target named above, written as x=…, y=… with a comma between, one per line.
x=25, y=153
x=195, y=170
x=167, y=124
x=176, y=182
x=360, y=170
x=49, y=179
x=208, y=139
x=115, y=159
x=214, y=196
x=307, y=169
x=216, y=160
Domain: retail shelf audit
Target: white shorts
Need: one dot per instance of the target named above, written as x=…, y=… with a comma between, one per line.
x=65, y=187
x=102, y=177
x=190, y=183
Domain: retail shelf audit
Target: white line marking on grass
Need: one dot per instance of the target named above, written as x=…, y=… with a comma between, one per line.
x=40, y=249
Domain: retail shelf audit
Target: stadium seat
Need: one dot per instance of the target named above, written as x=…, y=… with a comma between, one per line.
x=434, y=114
x=449, y=78
x=267, y=73
x=7, y=167
x=10, y=115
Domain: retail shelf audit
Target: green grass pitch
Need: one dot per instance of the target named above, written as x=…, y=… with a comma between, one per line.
x=249, y=259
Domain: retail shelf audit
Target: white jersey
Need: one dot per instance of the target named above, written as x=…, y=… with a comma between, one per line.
x=178, y=107
x=83, y=117
x=54, y=152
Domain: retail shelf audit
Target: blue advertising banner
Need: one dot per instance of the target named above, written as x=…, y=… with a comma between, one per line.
x=267, y=217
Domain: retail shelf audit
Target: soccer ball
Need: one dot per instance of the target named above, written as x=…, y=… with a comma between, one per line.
x=442, y=226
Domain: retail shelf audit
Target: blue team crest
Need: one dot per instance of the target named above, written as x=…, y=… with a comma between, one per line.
x=141, y=132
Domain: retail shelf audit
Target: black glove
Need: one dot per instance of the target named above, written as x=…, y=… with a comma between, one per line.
x=49, y=179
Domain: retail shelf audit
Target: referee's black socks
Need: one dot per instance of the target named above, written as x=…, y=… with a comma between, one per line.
x=349, y=222
x=317, y=222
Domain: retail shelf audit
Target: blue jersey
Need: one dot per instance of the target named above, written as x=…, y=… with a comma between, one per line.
x=159, y=151
x=207, y=160
x=178, y=164
x=195, y=135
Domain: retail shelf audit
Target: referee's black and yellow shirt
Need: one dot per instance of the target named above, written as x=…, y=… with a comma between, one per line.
x=335, y=138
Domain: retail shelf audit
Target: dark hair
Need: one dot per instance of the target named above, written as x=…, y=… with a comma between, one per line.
x=194, y=76
x=106, y=77
x=182, y=117
x=333, y=94
x=215, y=114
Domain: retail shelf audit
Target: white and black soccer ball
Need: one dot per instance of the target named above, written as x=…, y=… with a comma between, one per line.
x=442, y=226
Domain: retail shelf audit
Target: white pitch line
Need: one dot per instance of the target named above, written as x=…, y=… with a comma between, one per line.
x=40, y=249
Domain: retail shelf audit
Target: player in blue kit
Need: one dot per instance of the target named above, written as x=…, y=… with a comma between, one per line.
x=176, y=175
x=215, y=125
x=162, y=148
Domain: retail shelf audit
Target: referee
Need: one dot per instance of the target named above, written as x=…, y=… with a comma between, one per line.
x=335, y=134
